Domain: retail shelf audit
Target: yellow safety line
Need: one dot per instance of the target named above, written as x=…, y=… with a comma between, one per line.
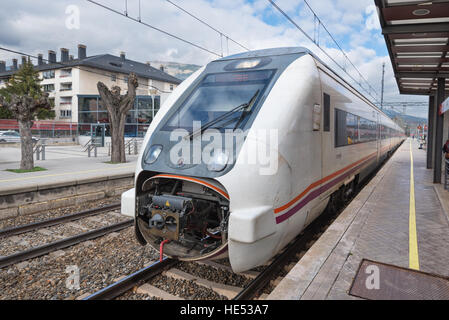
x=413, y=239
x=74, y=173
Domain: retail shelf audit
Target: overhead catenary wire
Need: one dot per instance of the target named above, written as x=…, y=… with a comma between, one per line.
x=68, y=65
x=319, y=47
x=338, y=45
x=228, y=38
x=208, y=25
x=408, y=103
x=154, y=28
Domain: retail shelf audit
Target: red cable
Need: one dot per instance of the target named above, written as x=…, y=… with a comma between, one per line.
x=213, y=235
x=161, y=250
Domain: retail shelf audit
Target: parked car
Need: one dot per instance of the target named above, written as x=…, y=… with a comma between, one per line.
x=13, y=136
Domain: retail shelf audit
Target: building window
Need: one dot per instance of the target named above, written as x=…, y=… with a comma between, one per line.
x=113, y=77
x=50, y=74
x=88, y=117
x=65, y=100
x=49, y=87
x=125, y=79
x=65, y=73
x=87, y=104
x=171, y=87
x=91, y=112
x=157, y=104
x=66, y=86
x=65, y=113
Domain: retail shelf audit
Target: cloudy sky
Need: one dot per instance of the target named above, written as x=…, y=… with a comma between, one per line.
x=34, y=27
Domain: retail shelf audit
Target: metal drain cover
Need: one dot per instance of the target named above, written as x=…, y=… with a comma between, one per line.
x=380, y=281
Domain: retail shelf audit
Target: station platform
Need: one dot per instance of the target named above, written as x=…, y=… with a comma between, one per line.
x=70, y=178
x=63, y=164
x=399, y=219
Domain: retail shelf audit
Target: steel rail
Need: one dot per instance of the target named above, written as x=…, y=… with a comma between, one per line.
x=54, y=221
x=64, y=243
x=118, y=288
x=275, y=266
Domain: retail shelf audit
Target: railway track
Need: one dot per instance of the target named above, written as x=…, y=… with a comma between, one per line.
x=258, y=281
x=127, y=283
x=55, y=221
x=63, y=243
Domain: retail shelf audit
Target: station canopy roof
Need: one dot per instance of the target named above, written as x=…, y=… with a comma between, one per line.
x=417, y=37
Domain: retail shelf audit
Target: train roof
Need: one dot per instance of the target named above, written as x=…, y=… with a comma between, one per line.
x=267, y=53
x=295, y=50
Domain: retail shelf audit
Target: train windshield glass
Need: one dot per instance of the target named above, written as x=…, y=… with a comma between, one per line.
x=218, y=94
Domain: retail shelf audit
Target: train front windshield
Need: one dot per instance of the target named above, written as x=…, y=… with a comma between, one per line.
x=218, y=94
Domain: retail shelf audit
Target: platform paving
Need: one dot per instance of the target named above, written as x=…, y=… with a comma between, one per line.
x=64, y=164
x=375, y=226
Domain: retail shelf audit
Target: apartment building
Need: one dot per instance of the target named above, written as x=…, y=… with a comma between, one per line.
x=72, y=85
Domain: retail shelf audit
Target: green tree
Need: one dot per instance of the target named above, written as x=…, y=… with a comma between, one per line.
x=24, y=99
x=5, y=113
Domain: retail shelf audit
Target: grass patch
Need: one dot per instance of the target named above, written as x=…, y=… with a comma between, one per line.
x=24, y=171
x=110, y=162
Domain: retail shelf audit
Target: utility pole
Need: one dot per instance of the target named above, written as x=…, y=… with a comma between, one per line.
x=382, y=90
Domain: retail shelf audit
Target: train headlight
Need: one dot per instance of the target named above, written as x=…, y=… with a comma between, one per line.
x=247, y=64
x=153, y=153
x=218, y=161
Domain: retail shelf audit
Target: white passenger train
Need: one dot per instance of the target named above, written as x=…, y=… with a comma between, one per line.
x=329, y=137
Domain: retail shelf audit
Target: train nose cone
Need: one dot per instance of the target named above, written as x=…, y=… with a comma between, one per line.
x=157, y=221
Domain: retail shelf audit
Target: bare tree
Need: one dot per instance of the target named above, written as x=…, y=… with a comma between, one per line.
x=24, y=98
x=117, y=106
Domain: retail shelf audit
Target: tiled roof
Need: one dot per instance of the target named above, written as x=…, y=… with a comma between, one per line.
x=110, y=63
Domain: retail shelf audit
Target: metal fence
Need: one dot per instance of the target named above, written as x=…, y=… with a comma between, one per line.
x=59, y=129
x=44, y=129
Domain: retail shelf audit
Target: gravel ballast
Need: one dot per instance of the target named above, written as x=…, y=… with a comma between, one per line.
x=44, y=215
x=100, y=263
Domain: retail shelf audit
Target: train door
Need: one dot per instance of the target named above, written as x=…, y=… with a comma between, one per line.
x=326, y=138
x=321, y=114
x=331, y=157
x=379, y=146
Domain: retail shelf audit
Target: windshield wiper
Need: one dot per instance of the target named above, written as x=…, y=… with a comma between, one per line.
x=246, y=106
x=247, y=110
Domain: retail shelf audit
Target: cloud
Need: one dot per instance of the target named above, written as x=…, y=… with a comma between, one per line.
x=372, y=21
x=37, y=26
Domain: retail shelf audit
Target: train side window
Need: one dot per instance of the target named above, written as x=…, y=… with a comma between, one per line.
x=367, y=130
x=326, y=112
x=352, y=128
x=341, y=138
